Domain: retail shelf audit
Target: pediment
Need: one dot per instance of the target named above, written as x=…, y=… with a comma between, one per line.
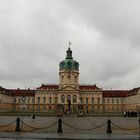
x=68, y=88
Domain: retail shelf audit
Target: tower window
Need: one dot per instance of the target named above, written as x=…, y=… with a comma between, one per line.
x=75, y=79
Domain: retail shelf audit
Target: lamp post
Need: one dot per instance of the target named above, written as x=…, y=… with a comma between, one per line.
x=23, y=107
x=139, y=126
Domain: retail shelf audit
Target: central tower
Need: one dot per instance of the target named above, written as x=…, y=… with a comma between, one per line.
x=69, y=72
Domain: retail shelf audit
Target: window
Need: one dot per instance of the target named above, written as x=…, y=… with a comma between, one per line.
x=117, y=100
x=98, y=100
x=112, y=101
x=38, y=100
x=108, y=101
x=113, y=109
x=103, y=100
x=38, y=108
x=68, y=97
x=81, y=99
x=74, y=98
x=33, y=100
x=98, y=108
x=92, y=108
x=44, y=107
x=44, y=100
x=50, y=100
x=14, y=100
x=74, y=108
x=19, y=99
x=50, y=108
x=1, y=99
x=86, y=100
x=62, y=98
x=92, y=100
x=28, y=100
x=75, y=79
x=56, y=99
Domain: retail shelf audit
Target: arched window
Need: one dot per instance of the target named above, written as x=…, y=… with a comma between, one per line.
x=62, y=98
x=75, y=79
x=74, y=98
x=68, y=97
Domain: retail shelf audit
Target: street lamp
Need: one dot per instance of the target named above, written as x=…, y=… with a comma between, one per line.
x=23, y=107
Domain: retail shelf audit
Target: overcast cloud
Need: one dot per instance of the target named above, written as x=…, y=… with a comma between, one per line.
x=105, y=38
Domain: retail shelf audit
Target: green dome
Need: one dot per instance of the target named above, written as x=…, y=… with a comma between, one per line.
x=69, y=63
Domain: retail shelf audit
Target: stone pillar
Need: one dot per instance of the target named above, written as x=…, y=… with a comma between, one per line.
x=109, y=130
x=59, y=130
x=17, y=125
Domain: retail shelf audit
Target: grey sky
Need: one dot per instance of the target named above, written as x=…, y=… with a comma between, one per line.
x=105, y=38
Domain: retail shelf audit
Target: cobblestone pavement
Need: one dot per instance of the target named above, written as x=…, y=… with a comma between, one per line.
x=72, y=126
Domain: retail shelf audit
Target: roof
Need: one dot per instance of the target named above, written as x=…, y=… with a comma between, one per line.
x=22, y=92
x=88, y=87
x=134, y=91
x=115, y=93
x=6, y=92
x=48, y=87
x=82, y=87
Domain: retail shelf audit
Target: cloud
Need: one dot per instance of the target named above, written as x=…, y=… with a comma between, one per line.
x=114, y=19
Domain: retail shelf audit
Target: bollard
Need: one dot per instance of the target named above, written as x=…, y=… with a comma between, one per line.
x=139, y=127
x=109, y=130
x=59, y=130
x=17, y=125
x=33, y=116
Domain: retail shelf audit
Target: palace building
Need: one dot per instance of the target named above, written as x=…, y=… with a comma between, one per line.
x=69, y=94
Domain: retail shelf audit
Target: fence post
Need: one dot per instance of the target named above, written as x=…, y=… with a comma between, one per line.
x=17, y=125
x=59, y=130
x=139, y=127
x=109, y=130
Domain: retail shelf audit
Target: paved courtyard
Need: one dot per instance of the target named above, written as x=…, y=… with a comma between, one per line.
x=71, y=125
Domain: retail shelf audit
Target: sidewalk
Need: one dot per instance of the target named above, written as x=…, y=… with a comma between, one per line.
x=55, y=136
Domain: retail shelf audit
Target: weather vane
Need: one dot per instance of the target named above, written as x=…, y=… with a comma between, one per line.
x=69, y=44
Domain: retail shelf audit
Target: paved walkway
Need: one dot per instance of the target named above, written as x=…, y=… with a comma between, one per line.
x=73, y=128
x=52, y=136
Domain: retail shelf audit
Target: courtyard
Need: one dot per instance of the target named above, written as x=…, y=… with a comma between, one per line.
x=72, y=127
